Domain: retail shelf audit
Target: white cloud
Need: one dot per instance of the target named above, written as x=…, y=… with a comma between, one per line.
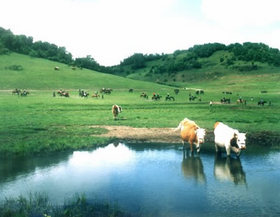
x=241, y=13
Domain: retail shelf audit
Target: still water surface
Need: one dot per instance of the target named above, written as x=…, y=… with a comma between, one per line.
x=153, y=180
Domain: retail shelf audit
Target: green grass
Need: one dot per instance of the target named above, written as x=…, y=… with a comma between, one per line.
x=40, y=205
x=40, y=122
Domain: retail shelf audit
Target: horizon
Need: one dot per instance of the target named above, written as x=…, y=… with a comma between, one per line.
x=110, y=31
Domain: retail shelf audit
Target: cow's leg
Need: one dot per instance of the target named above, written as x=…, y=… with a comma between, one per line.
x=197, y=147
x=228, y=149
x=216, y=148
x=236, y=150
x=191, y=146
x=184, y=146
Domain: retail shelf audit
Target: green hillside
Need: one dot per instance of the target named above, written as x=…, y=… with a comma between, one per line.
x=25, y=72
x=202, y=63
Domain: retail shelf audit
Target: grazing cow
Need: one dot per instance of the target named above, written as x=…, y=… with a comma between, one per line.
x=199, y=92
x=176, y=91
x=192, y=98
x=168, y=97
x=261, y=102
x=225, y=101
x=156, y=96
x=116, y=110
x=191, y=133
x=228, y=138
x=56, y=68
x=144, y=95
x=192, y=167
x=229, y=169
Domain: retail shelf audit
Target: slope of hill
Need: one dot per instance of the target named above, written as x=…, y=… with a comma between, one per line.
x=25, y=72
x=201, y=63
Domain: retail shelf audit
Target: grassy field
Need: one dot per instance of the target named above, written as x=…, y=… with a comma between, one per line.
x=40, y=122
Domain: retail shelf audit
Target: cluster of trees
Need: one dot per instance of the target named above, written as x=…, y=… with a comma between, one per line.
x=189, y=59
x=255, y=52
x=138, y=60
x=25, y=45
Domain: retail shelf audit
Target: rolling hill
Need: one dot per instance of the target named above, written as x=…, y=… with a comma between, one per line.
x=183, y=67
x=25, y=72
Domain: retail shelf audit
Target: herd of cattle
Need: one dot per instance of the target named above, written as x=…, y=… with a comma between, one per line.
x=154, y=97
x=20, y=92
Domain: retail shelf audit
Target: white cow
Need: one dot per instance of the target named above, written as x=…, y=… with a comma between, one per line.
x=228, y=138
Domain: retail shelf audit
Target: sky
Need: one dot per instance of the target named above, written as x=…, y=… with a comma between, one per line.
x=112, y=30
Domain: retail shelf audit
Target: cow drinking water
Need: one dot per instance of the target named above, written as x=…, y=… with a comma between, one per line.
x=116, y=110
x=228, y=138
x=192, y=133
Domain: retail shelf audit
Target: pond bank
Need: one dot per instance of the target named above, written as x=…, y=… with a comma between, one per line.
x=168, y=135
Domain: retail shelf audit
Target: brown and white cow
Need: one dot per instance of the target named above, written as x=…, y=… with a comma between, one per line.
x=116, y=110
x=192, y=133
x=228, y=138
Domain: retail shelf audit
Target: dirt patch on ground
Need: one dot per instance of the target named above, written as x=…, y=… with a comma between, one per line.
x=168, y=135
x=156, y=135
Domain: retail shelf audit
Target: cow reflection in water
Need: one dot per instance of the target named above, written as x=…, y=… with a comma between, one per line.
x=229, y=169
x=192, y=167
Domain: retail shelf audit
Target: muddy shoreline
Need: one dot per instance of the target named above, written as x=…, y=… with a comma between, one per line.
x=168, y=135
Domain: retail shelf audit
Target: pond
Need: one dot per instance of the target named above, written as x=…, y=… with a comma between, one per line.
x=153, y=179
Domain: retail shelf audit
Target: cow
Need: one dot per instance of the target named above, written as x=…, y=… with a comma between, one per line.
x=261, y=102
x=192, y=167
x=192, y=133
x=228, y=138
x=176, y=91
x=56, y=68
x=116, y=110
x=229, y=169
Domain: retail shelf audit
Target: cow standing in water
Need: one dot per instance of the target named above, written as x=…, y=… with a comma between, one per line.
x=228, y=138
x=116, y=110
x=192, y=133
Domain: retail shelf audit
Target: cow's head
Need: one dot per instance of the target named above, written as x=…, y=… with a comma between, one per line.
x=240, y=140
x=200, y=134
x=119, y=109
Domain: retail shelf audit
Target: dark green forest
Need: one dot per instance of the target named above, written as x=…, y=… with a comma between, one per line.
x=179, y=60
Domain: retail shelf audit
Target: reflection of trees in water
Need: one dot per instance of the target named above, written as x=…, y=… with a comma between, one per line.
x=192, y=167
x=229, y=169
x=11, y=167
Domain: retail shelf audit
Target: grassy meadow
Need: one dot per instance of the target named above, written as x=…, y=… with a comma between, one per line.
x=40, y=122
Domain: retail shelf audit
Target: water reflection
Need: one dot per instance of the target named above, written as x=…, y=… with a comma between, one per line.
x=12, y=167
x=192, y=167
x=229, y=169
x=114, y=154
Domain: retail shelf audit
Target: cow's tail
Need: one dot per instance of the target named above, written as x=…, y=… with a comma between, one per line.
x=178, y=128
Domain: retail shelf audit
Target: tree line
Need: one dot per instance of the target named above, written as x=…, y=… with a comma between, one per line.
x=25, y=45
x=179, y=60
